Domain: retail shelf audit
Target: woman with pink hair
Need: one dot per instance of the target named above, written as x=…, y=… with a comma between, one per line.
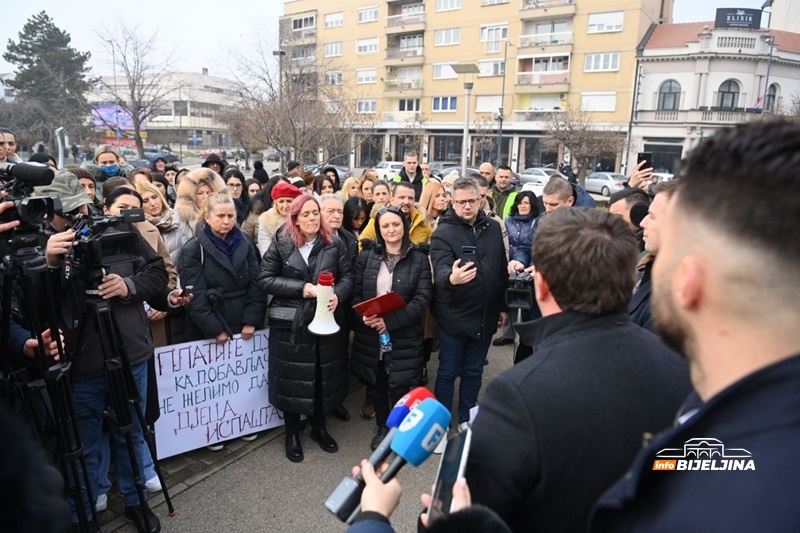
x=307, y=373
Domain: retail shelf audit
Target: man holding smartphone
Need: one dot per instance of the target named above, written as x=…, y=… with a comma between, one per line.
x=468, y=299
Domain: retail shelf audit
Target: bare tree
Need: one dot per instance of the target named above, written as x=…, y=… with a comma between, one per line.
x=306, y=110
x=584, y=139
x=139, y=89
x=415, y=134
x=483, y=142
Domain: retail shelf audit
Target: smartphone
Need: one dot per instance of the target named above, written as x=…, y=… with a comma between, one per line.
x=186, y=291
x=647, y=157
x=451, y=467
x=469, y=254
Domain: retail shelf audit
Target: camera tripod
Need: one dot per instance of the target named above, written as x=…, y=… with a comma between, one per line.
x=46, y=401
x=124, y=396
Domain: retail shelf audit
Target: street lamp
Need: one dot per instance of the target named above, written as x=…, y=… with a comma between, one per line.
x=280, y=53
x=114, y=65
x=502, y=102
x=765, y=106
x=466, y=68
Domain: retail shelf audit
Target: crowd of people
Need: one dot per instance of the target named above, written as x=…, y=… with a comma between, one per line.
x=566, y=438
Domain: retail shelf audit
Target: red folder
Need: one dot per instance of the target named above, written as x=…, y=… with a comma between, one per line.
x=380, y=305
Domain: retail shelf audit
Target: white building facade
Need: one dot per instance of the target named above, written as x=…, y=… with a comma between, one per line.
x=694, y=79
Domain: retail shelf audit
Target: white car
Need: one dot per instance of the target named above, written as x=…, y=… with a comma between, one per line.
x=538, y=174
x=535, y=187
x=605, y=183
x=663, y=176
x=388, y=169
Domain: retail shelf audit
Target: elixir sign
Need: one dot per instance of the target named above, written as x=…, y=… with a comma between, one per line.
x=210, y=392
x=729, y=17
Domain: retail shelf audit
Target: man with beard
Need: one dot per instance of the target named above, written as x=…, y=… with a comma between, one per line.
x=726, y=295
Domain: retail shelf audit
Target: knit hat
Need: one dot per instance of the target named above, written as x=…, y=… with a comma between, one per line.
x=214, y=158
x=284, y=190
x=291, y=165
x=65, y=186
x=451, y=177
x=103, y=149
x=298, y=182
x=42, y=158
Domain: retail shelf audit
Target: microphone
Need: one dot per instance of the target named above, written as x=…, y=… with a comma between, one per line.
x=638, y=212
x=416, y=439
x=347, y=495
x=33, y=174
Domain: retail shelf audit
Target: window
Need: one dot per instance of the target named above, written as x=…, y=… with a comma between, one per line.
x=368, y=14
x=669, y=96
x=408, y=104
x=728, y=95
x=366, y=106
x=333, y=77
x=367, y=46
x=551, y=64
x=771, y=98
x=598, y=101
x=334, y=20
x=601, y=62
x=447, y=5
x=409, y=73
x=333, y=106
x=411, y=41
x=447, y=37
x=443, y=71
x=367, y=75
x=333, y=49
x=495, y=67
x=445, y=103
x=605, y=22
x=493, y=36
x=488, y=104
x=412, y=9
x=304, y=23
x=493, y=2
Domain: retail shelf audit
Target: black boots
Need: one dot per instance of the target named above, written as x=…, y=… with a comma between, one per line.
x=294, y=452
x=321, y=436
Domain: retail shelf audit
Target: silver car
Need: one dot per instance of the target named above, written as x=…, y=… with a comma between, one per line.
x=539, y=175
x=605, y=183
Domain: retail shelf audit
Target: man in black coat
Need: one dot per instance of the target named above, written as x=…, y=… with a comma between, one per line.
x=557, y=429
x=726, y=294
x=468, y=296
x=412, y=173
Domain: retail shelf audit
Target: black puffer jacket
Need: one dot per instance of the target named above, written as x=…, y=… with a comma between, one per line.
x=469, y=310
x=292, y=348
x=411, y=280
x=226, y=296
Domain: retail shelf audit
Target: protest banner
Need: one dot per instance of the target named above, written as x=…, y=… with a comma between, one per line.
x=210, y=392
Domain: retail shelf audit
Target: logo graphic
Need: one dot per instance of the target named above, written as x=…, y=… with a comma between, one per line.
x=704, y=453
x=740, y=13
x=433, y=437
x=413, y=418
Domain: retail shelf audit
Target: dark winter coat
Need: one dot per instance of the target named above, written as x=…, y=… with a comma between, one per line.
x=558, y=428
x=418, y=183
x=350, y=241
x=473, y=309
x=293, y=349
x=760, y=413
x=639, y=308
x=520, y=237
x=226, y=296
x=411, y=280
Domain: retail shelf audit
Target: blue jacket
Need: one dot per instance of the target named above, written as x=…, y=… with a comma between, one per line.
x=761, y=414
x=520, y=238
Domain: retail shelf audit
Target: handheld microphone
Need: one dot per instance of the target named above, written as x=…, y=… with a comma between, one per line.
x=638, y=212
x=416, y=439
x=347, y=495
x=33, y=174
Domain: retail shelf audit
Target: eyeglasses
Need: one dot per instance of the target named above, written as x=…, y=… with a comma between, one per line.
x=392, y=209
x=469, y=201
x=234, y=185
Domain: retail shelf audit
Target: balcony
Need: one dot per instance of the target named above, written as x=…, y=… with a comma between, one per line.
x=545, y=39
x=403, y=117
x=410, y=23
x=546, y=8
x=396, y=56
x=549, y=81
x=306, y=36
x=536, y=115
x=402, y=87
x=304, y=61
x=681, y=118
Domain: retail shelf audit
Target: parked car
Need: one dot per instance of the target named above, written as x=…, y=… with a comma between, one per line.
x=144, y=164
x=539, y=175
x=207, y=152
x=388, y=169
x=536, y=187
x=663, y=176
x=315, y=169
x=605, y=183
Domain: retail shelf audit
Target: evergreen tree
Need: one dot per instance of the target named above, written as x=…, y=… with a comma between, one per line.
x=50, y=79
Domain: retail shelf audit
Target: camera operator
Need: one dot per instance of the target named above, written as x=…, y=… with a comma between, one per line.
x=126, y=286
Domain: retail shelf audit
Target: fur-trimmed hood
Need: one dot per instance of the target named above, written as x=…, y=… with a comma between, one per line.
x=184, y=205
x=271, y=221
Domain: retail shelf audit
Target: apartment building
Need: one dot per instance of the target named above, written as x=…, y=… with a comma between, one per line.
x=532, y=59
x=695, y=78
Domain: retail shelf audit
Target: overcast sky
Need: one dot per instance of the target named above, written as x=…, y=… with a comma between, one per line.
x=203, y=32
